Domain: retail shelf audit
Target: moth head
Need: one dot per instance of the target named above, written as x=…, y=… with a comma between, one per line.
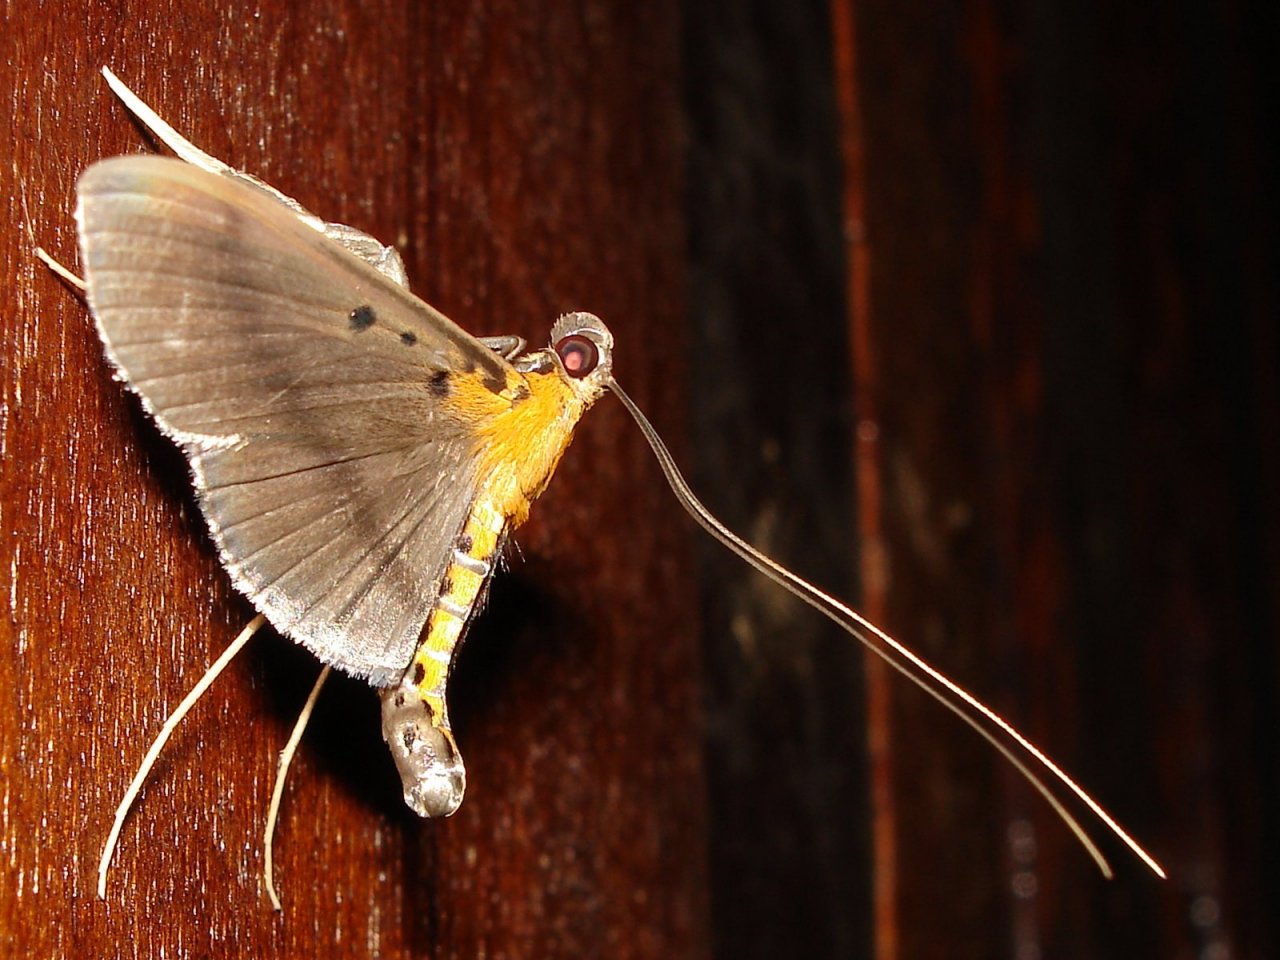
x=582, y=350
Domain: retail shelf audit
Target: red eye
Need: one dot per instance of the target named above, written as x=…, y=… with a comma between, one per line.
x=578, y=355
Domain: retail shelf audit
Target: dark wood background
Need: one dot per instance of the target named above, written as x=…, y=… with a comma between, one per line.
x=967, y=311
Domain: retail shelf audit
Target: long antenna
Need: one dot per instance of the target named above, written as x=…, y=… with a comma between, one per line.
x=989, y=724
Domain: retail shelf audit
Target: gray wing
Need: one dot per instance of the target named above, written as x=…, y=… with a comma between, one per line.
x=304, y=388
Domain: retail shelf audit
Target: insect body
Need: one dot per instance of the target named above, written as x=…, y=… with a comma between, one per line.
x=358, y=457
x=518, y=447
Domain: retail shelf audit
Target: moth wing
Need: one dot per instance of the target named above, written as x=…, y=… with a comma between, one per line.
x=304, y=388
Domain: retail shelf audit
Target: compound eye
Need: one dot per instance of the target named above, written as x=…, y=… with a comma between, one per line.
x=578, y=355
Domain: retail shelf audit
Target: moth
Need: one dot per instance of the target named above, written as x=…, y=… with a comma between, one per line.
x=358, y=457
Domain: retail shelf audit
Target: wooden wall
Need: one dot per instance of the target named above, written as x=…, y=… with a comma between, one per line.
x=966, y=311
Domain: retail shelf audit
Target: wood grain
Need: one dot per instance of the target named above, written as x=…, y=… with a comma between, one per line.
x=525, y=162
x=1068, y=356
x=1019, y=257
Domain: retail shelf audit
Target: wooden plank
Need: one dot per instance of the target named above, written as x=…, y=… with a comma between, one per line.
x=1061, y=224
x=787, y=832
x=525, y=161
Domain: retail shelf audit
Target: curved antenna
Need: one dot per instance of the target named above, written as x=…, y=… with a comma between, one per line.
x=950, y=694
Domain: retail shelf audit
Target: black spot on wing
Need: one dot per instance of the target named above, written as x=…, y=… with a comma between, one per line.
x=438, y=384
x=493, y=369
x=362, y=318
x=408, y=338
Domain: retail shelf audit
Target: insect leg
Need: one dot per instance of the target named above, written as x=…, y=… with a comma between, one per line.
x=508, y=346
